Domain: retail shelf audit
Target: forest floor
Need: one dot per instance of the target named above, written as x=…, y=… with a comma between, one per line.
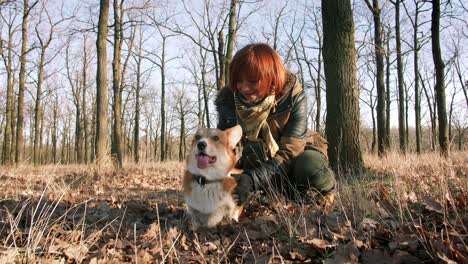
x=403, y=209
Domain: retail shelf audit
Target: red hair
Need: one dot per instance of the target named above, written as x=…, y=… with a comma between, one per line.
x=260, y=63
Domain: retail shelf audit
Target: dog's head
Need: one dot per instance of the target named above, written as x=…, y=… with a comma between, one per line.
x=212, y=152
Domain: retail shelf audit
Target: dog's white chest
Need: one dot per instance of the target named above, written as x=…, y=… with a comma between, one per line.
x=208, y=198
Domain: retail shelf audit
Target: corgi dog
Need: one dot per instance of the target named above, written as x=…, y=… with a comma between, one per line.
x=207, y=183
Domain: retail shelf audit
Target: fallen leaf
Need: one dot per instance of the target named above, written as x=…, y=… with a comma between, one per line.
x=411, y=196
x=368, y=224
x=296, y=255
x=432, y=205
x=76, y=252
x=210, y=247
x=319, y=243
x=9, y=255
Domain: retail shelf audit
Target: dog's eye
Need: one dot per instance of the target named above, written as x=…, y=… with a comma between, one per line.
x=197, y=137
x=215, y=138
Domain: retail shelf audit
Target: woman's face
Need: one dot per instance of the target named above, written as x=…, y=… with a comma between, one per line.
x=248, y=89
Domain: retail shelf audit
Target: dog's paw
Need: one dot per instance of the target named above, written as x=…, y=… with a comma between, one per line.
x=236, y=213
x=194, y=225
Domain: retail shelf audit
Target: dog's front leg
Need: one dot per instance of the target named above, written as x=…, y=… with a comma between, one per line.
x=196, y=219
x=216, y=217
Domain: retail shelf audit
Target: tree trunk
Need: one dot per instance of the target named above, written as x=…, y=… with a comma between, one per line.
x=116, y=146
x=374, y=136
x=342, y=122
x=318, y=90
x=101, y=83
x=406, y=117
x=388, y=135
x=22, y=77
x=163, y=102
x=83, y=101
x=221, y=57
x=200, y=108
x=63, y=152
x=401, y=89
x=46, y=159
x=204, y=89
x=41, y=133
x=440, y=78
x=231, y=40
x=44, y=44
x=136, y=129
x=78, y=131
x=417, y=99
x=54, y=129
x=450, y=136
x=37, y=107
x=431, y=113
x=182, y=131
x=75, y=85
x=69, y=139
x=9, y=111
x=379, y=57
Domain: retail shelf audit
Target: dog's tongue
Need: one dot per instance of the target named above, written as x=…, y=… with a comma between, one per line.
x=202, y=161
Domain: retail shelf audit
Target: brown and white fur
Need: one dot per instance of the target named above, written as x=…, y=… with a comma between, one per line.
x=207, y=183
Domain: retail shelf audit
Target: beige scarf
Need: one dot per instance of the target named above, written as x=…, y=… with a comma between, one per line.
x=252, y=117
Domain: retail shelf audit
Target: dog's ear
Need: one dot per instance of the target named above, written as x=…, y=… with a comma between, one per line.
x=234, y=135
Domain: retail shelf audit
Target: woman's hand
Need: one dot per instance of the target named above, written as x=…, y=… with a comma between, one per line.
x=243, y=189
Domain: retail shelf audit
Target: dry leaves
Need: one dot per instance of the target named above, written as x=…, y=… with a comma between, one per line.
x=138, y=216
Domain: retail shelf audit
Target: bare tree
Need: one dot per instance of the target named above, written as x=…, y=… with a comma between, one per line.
x=101, y=82
x=458, y=69
x=416, y=23
x=55, y=109
x=342, y=122
x=432, y=104
x=86, y=131
x=76, y=89
x=440, y=79
x=182, y=107
x=198, y=69
x=379, y=55
x=460, y=123
x=22, y=78
x=138, y=57
x=160, y=62
x=44, y=43
x=231, y=39
x=318, y=69
x=116, y=146
x=371, y=101
x=401, y=89
x=7, y=56
x=387, y=89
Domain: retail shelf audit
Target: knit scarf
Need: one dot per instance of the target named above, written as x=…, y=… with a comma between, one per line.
x=252, y=117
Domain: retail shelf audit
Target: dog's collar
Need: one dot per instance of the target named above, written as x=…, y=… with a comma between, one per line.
x=202, y=180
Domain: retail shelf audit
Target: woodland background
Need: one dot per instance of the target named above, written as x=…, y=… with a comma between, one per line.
x=166, y=60
x=98, y=100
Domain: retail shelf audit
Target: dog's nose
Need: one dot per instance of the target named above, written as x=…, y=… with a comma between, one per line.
x=201, y=145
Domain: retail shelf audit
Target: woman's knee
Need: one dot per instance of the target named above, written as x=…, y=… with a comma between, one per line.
x=311, y=169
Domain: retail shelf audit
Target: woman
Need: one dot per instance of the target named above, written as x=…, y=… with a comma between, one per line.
x=277, y=149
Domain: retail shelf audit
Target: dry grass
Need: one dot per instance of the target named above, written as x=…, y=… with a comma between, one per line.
x=402, y=209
